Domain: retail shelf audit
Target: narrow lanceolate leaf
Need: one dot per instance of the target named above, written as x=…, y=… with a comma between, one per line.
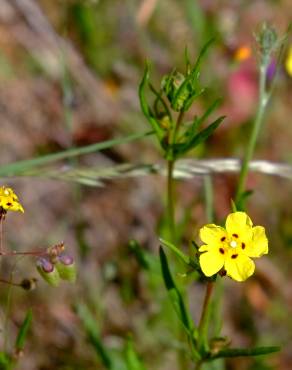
x=140, y=254
x=159, y=99
x=144, y=105
x=176, y=251
x=199, y=138
x=93, y=334
x=22, y=334
x=190, y=83
x=239, y=352
x=133, y=360
x=175, y=295
x=17, y=168
x=208, y=111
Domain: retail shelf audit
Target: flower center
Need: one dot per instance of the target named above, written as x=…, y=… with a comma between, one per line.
x=233, y=244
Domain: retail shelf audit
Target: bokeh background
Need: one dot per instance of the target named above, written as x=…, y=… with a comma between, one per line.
x=69, y=74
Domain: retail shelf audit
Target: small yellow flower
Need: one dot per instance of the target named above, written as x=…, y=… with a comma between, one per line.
x=231, y=247
x=288, y=62
x=9, y=200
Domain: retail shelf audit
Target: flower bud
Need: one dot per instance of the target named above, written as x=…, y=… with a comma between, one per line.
x=170, y=85
x=48, y=271
x=66, y=267
x=267, y=39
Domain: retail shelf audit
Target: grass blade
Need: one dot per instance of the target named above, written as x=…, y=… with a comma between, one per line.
x=22, y=334
x=93, y=335
x=174, y=294
x=16, y=168
x=132, y=359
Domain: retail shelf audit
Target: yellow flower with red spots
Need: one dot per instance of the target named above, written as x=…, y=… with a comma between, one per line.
x=231, y=248
x=9, y=200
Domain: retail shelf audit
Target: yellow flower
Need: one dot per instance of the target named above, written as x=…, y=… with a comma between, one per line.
x=288, y=62
x=9, y=200
x=231, y=247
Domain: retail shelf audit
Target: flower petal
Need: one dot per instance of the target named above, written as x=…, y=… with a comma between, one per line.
x=239, y=268
x=211, y=234
x=259, y=244
x=204, y=248
x=239, y=223
x=211, y=262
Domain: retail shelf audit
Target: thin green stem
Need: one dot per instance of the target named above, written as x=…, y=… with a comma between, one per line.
x=170, y=201
x=203, y=324
x=263, y=101
x=170, y=182
x=209, y=198
x=182, y=360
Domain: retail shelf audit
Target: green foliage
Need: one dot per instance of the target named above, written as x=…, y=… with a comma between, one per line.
x=178, y=92
x=93, y=334
x=23, y=331
x=176, y=298
x=6, y=362
x=133, y=360
x=23, y=168
x=246, y=352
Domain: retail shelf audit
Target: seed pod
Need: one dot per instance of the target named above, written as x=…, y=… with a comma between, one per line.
x=66, y=268
x=48, y=271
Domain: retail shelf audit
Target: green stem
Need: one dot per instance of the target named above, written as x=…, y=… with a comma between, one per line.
x=181, y=359
x=209, y=198
x=170, y=181
x=263, y=100
x=203, y=324
x=170, y=201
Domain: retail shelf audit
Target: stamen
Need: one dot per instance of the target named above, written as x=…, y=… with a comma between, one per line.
x=242, y=245
x=233, y=244
x=234, y=256
x=221, y=250
x=223, y=238
x=235, y=235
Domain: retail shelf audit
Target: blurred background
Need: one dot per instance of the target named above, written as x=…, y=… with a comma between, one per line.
x=69, y=75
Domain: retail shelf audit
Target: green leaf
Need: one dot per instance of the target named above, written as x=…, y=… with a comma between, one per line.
x=22, y=334
x=139, y=254
x=177, y=252
x=160, y=100
x=239, y=352
x=175, y=295
x=6, y=362
x=93, y=334
x=132, y=359
x=199, y=138
x=242, y=199
x=202, y=54
x=188, y=87
x=144, y=106
x=188, y=102
x=17, y=168
x=233, y=206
